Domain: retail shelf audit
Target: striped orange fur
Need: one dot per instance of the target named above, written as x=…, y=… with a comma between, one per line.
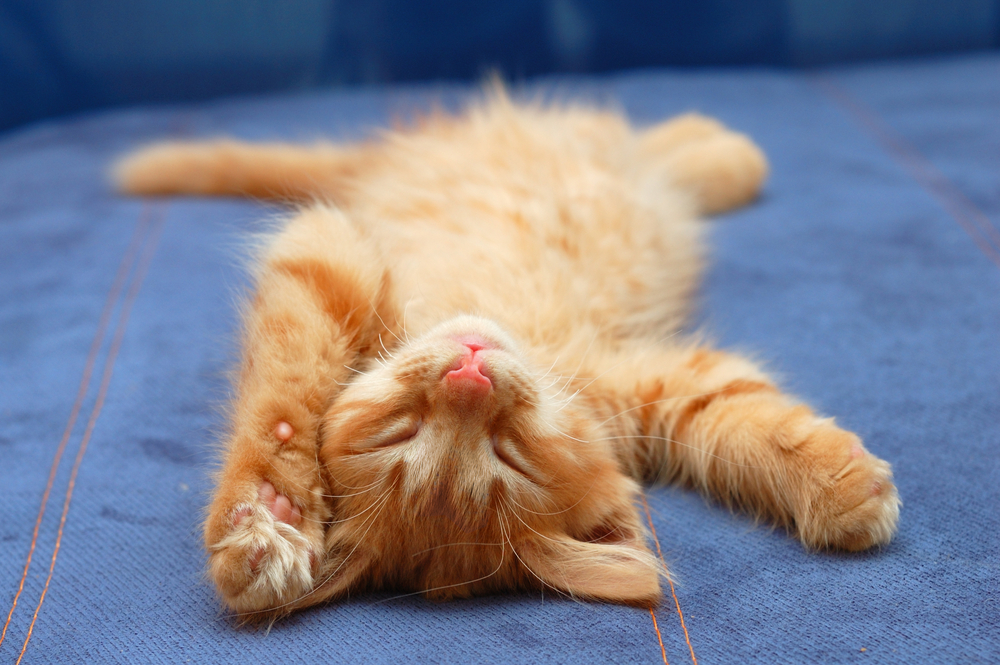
x=460, y=360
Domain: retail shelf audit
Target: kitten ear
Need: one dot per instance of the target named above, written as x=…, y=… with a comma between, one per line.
x=617, y=572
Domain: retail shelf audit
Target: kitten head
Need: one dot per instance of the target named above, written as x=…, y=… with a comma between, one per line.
x=458, y=473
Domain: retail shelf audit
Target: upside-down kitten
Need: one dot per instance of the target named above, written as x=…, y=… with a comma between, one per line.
x=457, y=369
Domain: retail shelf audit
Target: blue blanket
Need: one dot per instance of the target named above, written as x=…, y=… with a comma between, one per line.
x=868, y=276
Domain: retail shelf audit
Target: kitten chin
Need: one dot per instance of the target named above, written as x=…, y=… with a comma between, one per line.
x=458, y=472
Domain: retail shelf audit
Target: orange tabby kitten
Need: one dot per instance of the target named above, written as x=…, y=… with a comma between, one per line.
x=458, y=369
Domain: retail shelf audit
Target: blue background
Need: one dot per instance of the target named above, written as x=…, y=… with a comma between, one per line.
x=60, y=56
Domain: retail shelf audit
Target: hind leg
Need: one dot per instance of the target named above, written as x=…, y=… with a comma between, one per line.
x=723, y=169
x=320, y=302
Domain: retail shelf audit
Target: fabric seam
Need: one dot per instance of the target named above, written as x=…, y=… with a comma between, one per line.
x=956, y=204
x=151, y=243
x=673, y=592
x=124, y=268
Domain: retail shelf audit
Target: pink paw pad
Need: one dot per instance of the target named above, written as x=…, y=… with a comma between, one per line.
x=240, y=514
x=876, y=488
x=283, y=431
x=279, y=504
x=857, y=451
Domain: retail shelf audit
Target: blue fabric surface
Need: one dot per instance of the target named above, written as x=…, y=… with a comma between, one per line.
x=859, y=277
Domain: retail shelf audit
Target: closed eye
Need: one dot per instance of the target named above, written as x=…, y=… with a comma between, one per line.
x=505, y=457
x=400, y=435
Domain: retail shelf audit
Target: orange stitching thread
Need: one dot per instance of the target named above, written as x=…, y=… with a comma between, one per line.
x=955, y=203
x=659, y=638
x=687, y=638
x=109, y=363
x=102, y=327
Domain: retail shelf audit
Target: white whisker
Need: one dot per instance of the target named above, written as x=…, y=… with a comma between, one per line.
x=437, y=547
x=388, y=329
x=659, y=401
x=374, y=518
x=287, y=480
x=681, y=443
x=505, y=533
x=558, y=512
x=503, y=557
x=527, y=526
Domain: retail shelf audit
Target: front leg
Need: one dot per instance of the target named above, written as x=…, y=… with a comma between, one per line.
x=716, y=421
x=320, y=302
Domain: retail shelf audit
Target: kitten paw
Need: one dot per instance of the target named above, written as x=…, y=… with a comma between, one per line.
x=267, y=556
x=858, y=506
x=724, y=171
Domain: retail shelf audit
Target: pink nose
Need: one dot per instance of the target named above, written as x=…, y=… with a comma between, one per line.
x=469, y=372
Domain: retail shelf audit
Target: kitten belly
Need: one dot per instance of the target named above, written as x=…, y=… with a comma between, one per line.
x=539, y=292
